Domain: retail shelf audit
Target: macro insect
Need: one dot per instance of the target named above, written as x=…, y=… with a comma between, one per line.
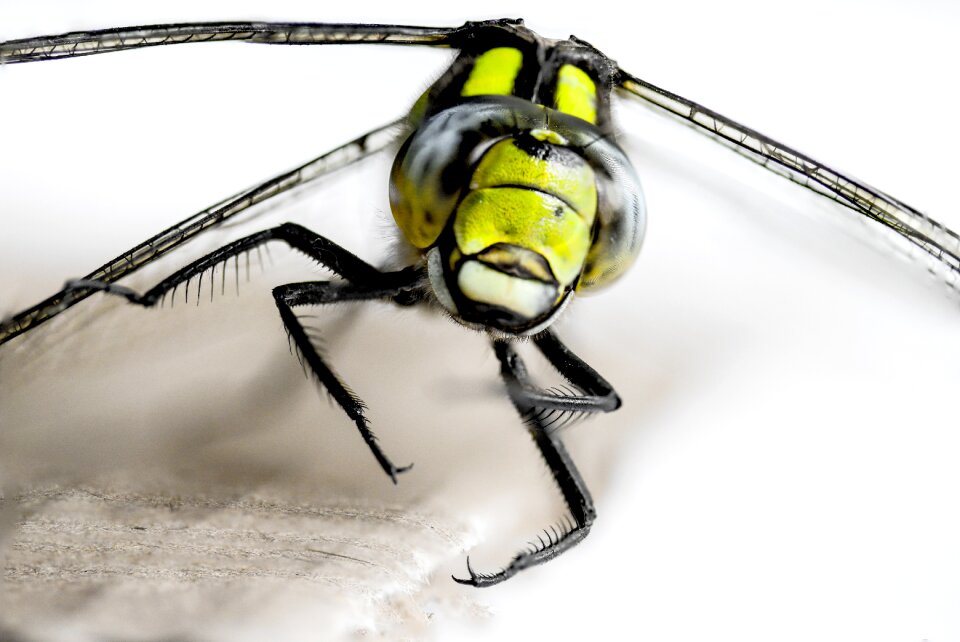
x=510, y=188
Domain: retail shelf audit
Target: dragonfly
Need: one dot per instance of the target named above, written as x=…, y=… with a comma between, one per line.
x=617, y=236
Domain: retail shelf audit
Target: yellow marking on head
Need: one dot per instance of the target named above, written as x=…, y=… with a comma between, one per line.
x=454, y=258
x=494, y=73
x=530, y=219
x=576, y=93
x=571, y=178
x=548, y=136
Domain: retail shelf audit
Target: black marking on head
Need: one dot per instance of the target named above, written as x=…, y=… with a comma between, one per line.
x=503, y=258
x=534, y=147
x=547, y=151
x=498, y=317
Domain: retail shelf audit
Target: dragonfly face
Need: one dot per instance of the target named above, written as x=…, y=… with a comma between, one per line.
x=527, y=221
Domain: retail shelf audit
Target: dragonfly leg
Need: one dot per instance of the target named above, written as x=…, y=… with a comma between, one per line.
x=531, y=402
x=322, y=250
x=320, y=292
x=556, y=407
x=363, y=282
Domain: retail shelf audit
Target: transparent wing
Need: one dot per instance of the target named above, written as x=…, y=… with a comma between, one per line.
x=912, y=228
x=172, y=237
x=85, y=43
x=82, y=43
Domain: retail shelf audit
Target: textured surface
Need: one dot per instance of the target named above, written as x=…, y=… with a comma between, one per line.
x=196, y=486
x=90, y=564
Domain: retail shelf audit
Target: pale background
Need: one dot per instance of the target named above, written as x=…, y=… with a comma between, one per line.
x=784, y=463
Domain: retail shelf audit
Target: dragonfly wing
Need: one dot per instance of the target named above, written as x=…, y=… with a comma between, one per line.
x=174, y=236
x=910, y=225
x=86, y=43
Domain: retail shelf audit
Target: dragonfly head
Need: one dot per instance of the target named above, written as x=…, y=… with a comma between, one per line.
x=516, y=241
x=514, y=219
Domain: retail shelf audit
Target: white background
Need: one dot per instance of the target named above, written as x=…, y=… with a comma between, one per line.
x=789, y=435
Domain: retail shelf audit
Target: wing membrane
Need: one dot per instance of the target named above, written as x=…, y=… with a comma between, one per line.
x=86, y=43
x=917, y=229
x=172, y=237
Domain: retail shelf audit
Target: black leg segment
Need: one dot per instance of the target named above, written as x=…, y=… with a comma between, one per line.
x=315, y=293
x=530, y=402
x=322, y=250
x=363, y=283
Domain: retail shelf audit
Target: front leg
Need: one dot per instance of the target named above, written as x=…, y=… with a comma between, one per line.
x=364, y=283
x=321, y=249
x=317, y=293
x=530, y=402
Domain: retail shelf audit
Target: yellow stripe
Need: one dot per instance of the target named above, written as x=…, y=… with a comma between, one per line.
x=533, y=220
x=576, y=93
x=494, y=73
x=571, y=180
